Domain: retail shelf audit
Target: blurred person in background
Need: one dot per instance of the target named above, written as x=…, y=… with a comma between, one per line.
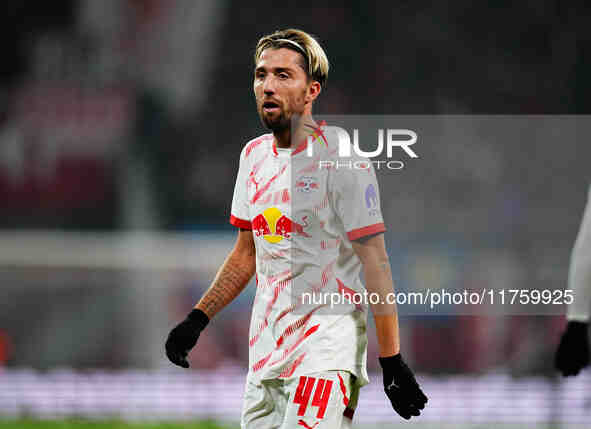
x=306, y=364
x=573, y=351
x=4, y=348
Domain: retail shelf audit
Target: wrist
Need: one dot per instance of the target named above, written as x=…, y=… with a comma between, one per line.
x=198, y=318
x=578, y=324
x=388, y=350
x=390, y=361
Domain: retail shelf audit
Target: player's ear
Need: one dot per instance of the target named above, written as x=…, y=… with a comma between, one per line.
x=313, y=91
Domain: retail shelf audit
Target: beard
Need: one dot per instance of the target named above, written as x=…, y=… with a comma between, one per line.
x=275, y=123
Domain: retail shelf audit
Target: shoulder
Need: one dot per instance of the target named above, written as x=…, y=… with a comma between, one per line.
x=259, y=144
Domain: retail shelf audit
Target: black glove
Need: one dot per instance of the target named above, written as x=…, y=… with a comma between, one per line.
x=184, y=336
x=402, y=389
x=573, y=351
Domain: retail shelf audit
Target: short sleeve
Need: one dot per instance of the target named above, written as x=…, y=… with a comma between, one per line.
x=239, y=215
x=356, y=199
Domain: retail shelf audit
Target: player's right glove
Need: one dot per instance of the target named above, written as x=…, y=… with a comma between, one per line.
x=573, y=351
x=402, y=389
x=184, y=336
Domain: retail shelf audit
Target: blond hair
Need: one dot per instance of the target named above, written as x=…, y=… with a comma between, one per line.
x=315, y=61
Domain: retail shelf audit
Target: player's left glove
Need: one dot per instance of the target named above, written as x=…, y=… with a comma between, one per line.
x=572, y=354
x=402, y=389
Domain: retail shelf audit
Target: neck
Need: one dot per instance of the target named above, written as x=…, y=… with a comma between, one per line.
x=304, y=127
x=283, y=138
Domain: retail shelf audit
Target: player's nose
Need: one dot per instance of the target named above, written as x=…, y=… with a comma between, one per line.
x=269, y=86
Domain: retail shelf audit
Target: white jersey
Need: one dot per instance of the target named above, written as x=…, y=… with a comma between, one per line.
x=303, y=219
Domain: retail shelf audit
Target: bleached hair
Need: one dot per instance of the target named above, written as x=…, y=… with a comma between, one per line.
x=315, y=61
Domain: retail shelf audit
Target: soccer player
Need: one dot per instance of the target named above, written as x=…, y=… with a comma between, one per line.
x=573, y=351
x=304, y=229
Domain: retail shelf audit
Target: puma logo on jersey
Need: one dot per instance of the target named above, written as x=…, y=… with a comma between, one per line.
x=304, y=424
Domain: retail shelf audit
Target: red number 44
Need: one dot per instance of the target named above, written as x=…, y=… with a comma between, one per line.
x=321, y=395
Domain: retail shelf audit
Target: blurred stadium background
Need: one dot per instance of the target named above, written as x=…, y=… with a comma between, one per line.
x=120, y=127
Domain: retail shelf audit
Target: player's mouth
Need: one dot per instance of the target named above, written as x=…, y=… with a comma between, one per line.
x=270, y=107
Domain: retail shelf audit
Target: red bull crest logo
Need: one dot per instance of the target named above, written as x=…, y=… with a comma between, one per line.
x=306, y=184
x=274, y=226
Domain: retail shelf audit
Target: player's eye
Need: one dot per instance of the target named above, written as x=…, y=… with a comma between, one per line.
x=259, y=75
x=283, y=76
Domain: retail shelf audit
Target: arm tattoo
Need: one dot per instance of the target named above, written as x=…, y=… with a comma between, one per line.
x=231, y=279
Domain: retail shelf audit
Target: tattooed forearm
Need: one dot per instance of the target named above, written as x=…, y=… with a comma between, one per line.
x=231, y=279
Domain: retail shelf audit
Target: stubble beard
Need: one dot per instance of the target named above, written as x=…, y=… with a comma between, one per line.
x=277, y=124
